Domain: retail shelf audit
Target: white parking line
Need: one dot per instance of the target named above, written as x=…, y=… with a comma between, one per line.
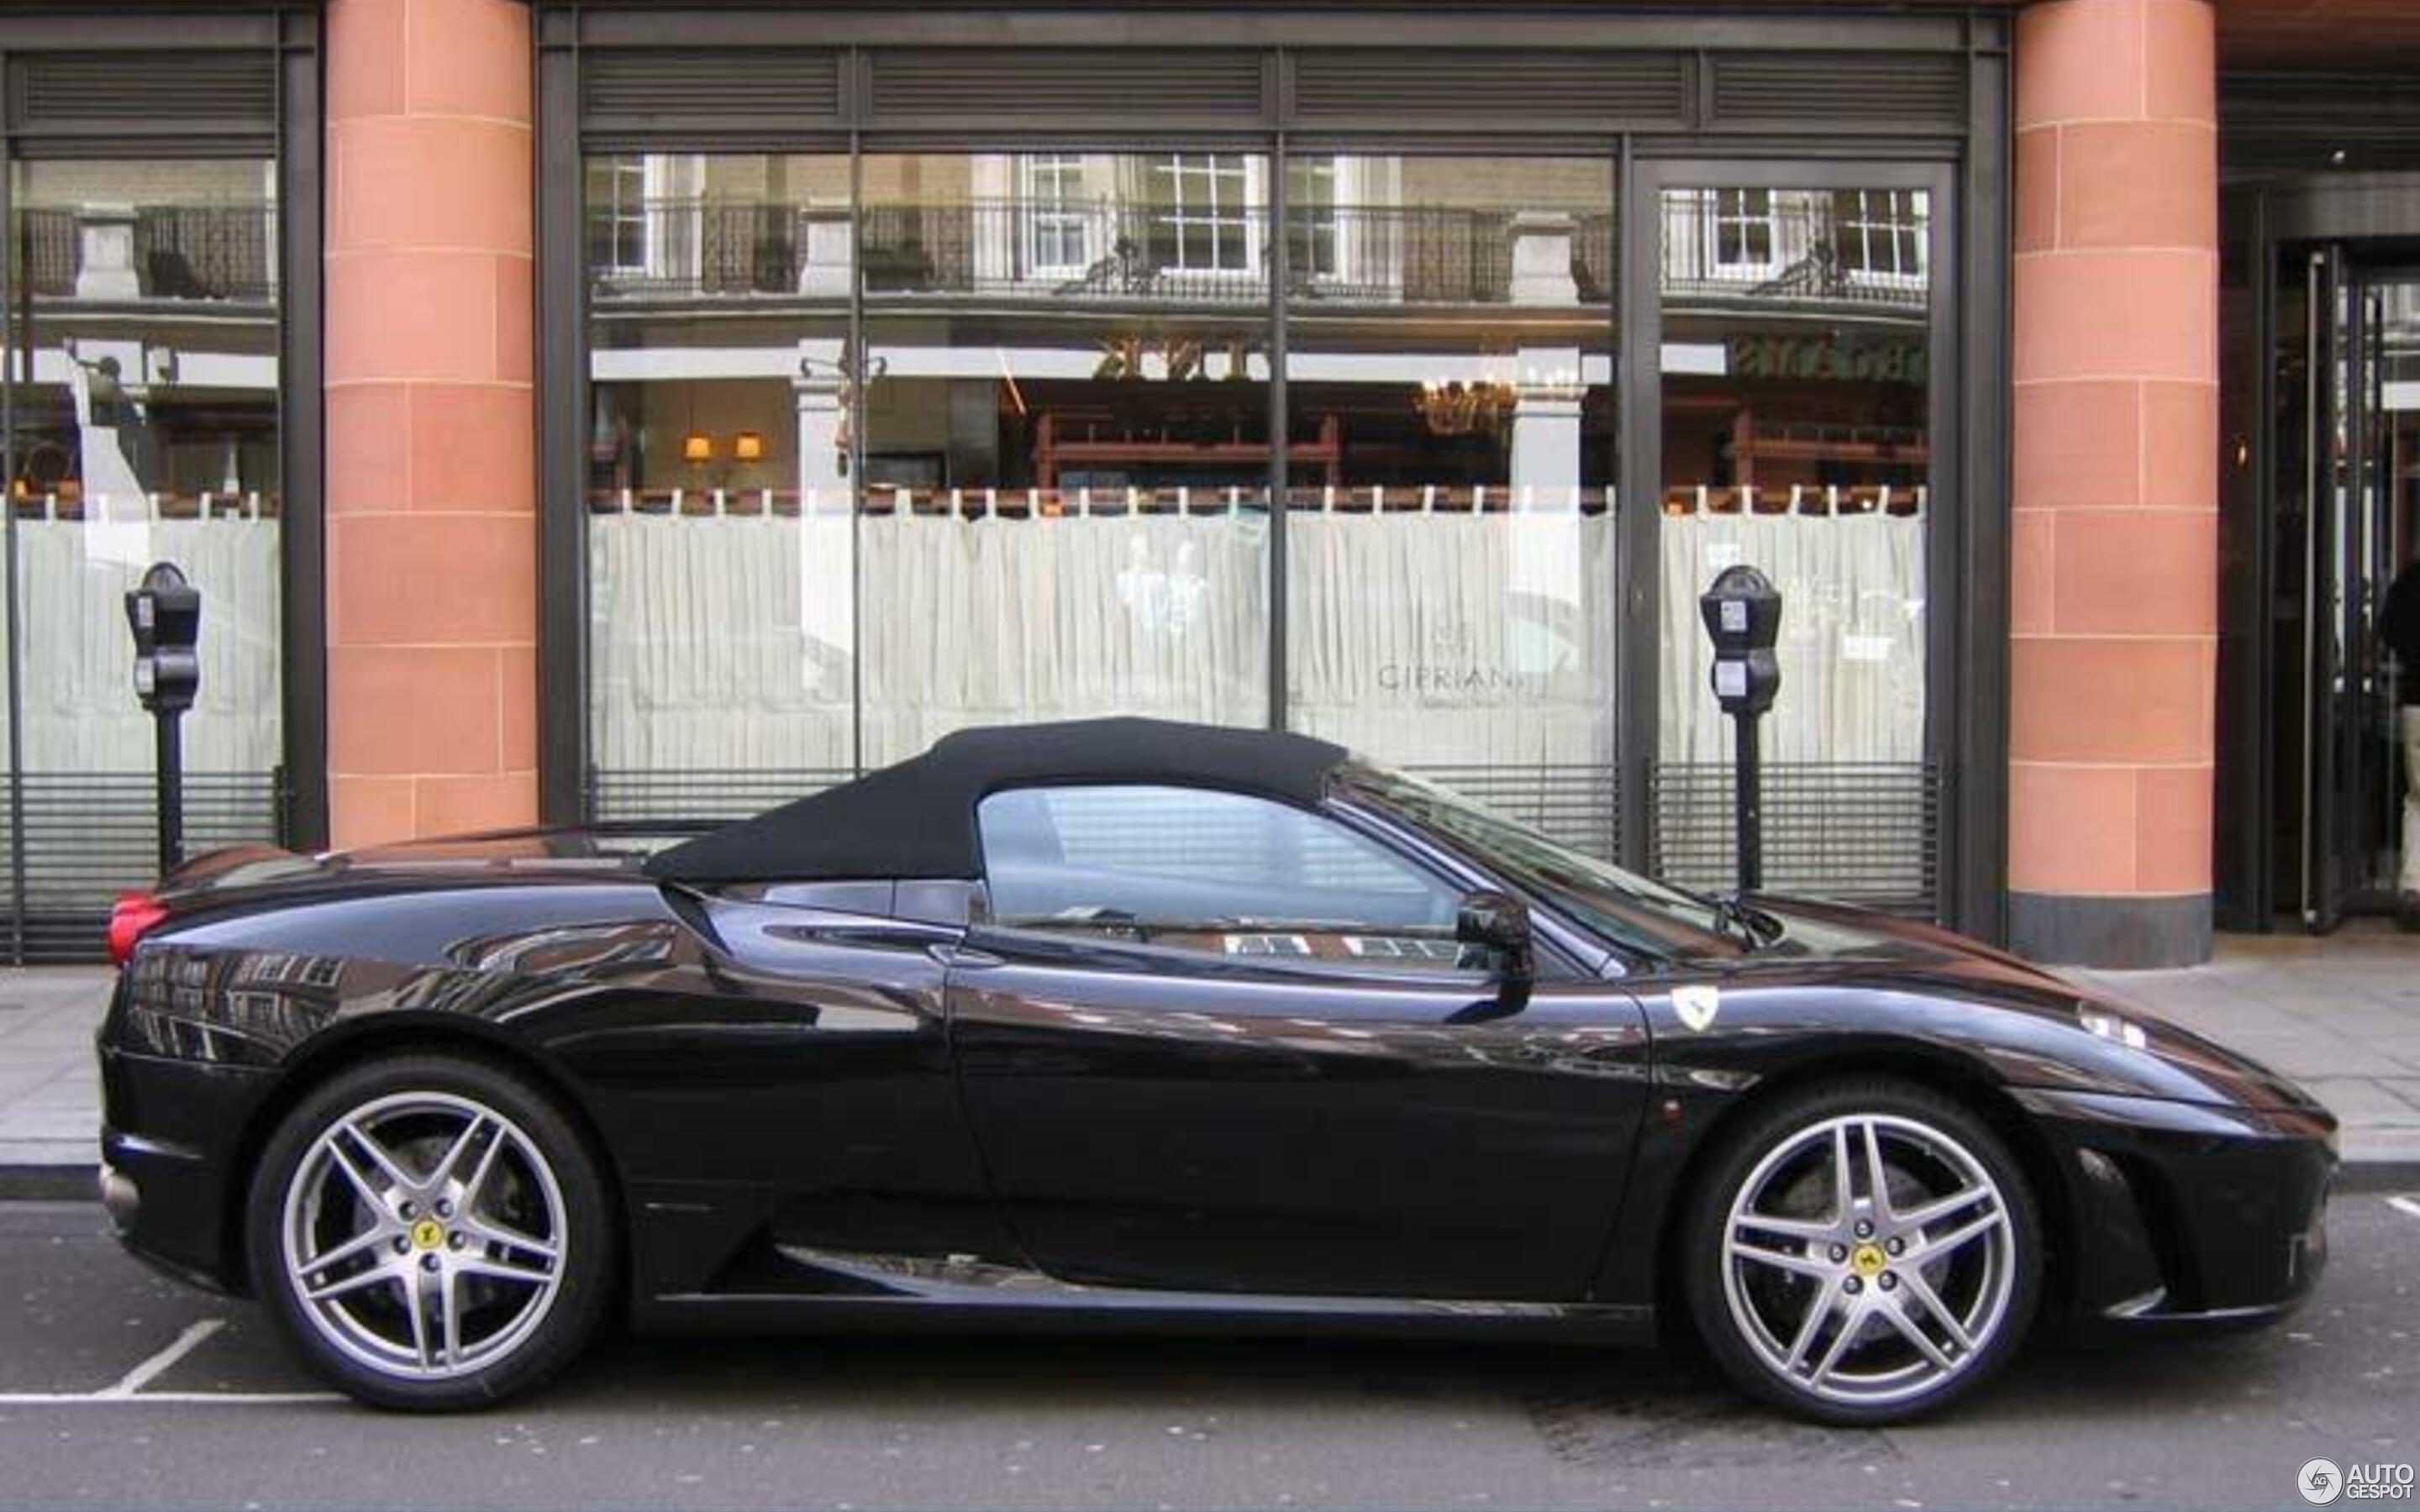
x=167, y=1398
x=184, y=1344
x=2409, y=1207
x=128, y=1387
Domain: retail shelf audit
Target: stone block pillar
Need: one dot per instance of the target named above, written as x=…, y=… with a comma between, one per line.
x=2114, y=653
x=431, y=485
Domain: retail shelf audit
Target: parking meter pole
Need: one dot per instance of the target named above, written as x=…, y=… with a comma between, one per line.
x=1748, y=777
x=169, y=756
x=1743, y=614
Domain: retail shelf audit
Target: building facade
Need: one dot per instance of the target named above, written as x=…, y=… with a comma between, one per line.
x=582, y=412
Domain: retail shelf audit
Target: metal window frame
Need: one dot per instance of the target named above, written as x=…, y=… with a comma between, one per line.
x=287, y=35
x=1947, y=732
x=1967, y=160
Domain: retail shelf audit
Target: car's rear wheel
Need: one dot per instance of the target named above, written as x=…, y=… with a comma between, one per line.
x=1862, y=1251
x=431, y=1232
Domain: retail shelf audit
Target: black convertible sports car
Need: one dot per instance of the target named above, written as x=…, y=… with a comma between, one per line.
x=1132, y=1023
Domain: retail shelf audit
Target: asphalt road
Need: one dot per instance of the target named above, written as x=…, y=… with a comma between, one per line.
x=119, y=1389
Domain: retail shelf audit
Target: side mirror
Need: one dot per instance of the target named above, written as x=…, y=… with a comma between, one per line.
x=1501, y=924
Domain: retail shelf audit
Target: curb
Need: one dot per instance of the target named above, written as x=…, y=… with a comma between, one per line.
x=67, y=1183
x=72, y=1183
x=2375, y=1176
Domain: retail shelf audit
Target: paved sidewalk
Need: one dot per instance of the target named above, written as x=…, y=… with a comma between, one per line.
x=50, y=1092
x=2340, y=1014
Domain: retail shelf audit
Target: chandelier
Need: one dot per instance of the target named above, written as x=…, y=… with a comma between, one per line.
x=1454, y=408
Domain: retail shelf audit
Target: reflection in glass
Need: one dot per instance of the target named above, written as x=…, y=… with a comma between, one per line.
x=721, y=577
x=1066, y=441
x=1450, y=527
x=1796, y=439
x=146, y=430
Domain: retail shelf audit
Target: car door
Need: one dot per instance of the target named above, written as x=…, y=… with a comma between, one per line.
x=1213, y=1043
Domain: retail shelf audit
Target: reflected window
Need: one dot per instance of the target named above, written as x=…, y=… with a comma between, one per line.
x=618, y=214
x=1201, y=216
x=1056, y=220
x=1744, y=230
x=1879, y=232
x=1315, y=229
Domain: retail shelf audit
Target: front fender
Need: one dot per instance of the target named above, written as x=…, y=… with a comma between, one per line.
x=1723, y=1038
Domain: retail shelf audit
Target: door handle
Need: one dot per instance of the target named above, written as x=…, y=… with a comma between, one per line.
x=957, y=957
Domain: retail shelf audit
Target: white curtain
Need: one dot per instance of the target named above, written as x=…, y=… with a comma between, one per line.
x=724, y=643
x=80, y=710
x=1455, y=638
x=1852, y=647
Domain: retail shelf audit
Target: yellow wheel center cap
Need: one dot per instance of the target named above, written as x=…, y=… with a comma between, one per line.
x=1869, y=1261
x=427, y=1233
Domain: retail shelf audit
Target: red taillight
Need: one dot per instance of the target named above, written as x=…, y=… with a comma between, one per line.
x=134, y=917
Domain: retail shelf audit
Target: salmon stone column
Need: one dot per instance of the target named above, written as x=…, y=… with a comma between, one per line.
x=2114, y=632
x=432, y=518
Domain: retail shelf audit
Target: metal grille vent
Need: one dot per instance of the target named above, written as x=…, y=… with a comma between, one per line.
x=117, y=92
x=1470, y=90
x=1097, y=86
x=91, y=836
x=2302, y=122
x=1882, y=94
x=717, y=87
x=1866, y=834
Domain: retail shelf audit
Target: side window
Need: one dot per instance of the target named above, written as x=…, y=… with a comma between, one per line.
x=1218, y=873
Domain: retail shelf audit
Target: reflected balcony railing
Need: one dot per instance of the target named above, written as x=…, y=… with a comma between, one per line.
x=1802, y=253
x=119, y=252
x=1102, y=251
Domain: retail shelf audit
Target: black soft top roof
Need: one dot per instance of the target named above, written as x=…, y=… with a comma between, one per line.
x=918, y=819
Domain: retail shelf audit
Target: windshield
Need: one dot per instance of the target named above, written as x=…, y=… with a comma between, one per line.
x=1627, y=909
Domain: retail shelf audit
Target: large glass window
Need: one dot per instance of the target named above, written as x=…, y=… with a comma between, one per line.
x=1066, y=487
x=723, y=664
x=1796, y=439
x=1451, y=523
x=146, y=429
x=884, y=448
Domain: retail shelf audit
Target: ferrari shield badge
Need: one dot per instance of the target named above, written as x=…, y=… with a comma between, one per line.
x=1696, y=1005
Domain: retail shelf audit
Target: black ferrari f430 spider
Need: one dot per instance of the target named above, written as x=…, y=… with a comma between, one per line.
x=1119, y=1022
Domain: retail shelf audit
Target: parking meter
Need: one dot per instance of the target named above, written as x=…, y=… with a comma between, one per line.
x=165, y=611
x=1743, y=615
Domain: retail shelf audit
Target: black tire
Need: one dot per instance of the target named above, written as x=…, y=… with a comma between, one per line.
x=1971, y=1303
x=479, y=1257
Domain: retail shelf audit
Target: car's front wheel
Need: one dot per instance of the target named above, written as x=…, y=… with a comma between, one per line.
x=1862, y=1251
x=431, y=1232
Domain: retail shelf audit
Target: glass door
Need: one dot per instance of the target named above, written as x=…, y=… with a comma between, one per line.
x=1801, y=388
x=2359, y=477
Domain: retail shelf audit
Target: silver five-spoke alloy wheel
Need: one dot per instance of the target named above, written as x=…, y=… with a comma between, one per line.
x=424, y=1236
x=1868, y=1259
